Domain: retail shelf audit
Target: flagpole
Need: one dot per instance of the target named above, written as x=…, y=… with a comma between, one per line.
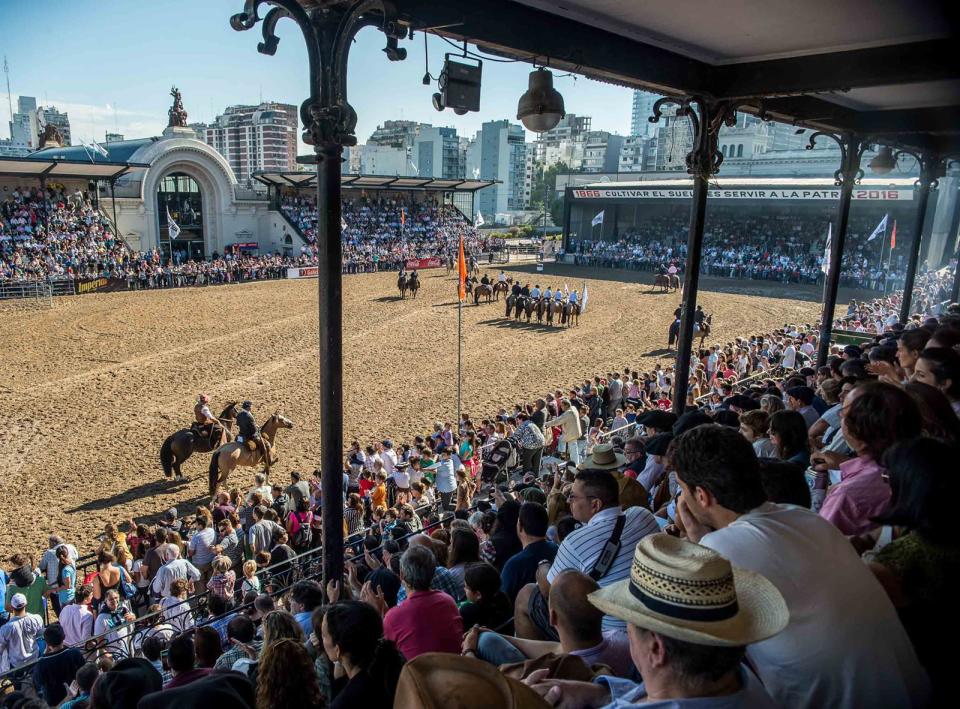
x=459, y=356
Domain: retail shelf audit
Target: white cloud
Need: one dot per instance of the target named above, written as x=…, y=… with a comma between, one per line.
x=89, y=121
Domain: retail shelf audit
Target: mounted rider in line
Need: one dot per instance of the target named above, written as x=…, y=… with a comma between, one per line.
x=248, y=434
x=485, y=281
x=206, y=425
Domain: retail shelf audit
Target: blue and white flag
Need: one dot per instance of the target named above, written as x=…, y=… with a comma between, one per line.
x=173, y=229
x=597, y=219
x=479, y=221
x=94, y=145
x=881, y=227
x=583, y=303
x=825, y=264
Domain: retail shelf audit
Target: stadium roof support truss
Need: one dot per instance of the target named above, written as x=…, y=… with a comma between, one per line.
x=66, y=169
x=838, y=68
x=376, y=182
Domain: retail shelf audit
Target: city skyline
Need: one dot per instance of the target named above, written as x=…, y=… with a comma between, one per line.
x=103, y=90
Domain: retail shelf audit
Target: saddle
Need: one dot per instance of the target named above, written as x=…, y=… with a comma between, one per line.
x=250, y=444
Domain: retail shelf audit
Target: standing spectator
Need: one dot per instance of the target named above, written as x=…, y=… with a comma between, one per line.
x=200, y=550
x=222, y=581
x=63, y=590
x=112, y=619
x=530, y=440
x=569, y=422
x=261, y=534
x=57, y=667
x=76, y=619
x=229, y=544
x=173, y=568
x=298, y=491
x=19, y=635
x=446, y=479
x=50, y=565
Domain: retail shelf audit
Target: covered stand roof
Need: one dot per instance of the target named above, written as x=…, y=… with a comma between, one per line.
x=374, y=182
x=885, y=70
x=67, y=169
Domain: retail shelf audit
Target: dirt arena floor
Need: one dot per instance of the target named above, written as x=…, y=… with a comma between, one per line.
x=89, y=389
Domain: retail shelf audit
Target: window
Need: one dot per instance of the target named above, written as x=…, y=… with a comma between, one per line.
x=740, y=150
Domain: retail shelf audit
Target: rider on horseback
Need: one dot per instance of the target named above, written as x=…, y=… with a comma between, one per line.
x=412, y=279
x=525, y=291
x=249, y=435
x=558, y=296
x=535, y=293
x=502, y=278
x=548, y=293
x=515, y=291
x=485, y=280
x=205, y=423
x=699, y=315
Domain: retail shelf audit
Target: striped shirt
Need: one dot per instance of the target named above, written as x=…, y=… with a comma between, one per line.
x=582, y=547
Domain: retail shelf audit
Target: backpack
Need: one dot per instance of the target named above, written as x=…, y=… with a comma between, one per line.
x=304, y=535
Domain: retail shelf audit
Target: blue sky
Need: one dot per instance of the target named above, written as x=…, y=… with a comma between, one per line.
x=110, y=64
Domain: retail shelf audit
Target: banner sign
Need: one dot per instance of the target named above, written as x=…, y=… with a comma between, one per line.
x=418, y=263
x=247, y=245
x=307, y=272
x=100, y=285
x=826, y=194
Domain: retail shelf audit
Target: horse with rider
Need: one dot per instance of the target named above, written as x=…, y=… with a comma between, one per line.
x=254, y=446
x=407, y=282
x=205, y=433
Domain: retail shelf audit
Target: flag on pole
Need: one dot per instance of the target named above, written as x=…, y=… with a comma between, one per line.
x=583, y=303
x=893, y=236
x=462, y=272
x=99, y=149
x=172, y=228
x=403, y=217
x=343, y=223
x=597, y=219
x=825, y=264
x=479, y=221
x=881, y=227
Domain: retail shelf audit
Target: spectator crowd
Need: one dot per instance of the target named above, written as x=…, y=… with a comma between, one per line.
x=784, y=542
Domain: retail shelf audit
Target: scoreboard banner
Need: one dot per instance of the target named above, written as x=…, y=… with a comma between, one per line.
x=832, y=194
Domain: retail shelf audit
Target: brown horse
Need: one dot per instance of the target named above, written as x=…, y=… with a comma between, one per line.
x=571, y=314
x=402, y=286
x=500, y=287
x=552, y=309
x=541, y=308
x=181, y=445
x=703, y=330
x=236, y=455
x=482, y=290
x=413, y=284
x=661, y=281
x=675, y=282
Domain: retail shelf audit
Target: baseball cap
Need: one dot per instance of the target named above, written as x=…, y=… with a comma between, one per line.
x=18, y=601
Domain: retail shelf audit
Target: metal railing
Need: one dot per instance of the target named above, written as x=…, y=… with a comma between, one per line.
x=26, y=294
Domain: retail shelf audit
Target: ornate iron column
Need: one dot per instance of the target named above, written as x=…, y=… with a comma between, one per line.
x=849, y=174
x=329, y=122
x=930, y=169
x=706, y=116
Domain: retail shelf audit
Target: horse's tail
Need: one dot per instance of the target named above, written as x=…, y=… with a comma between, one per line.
x=214, y=471
x=167, y=457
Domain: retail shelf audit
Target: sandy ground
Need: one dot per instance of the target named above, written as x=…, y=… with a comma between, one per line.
x=89, y=389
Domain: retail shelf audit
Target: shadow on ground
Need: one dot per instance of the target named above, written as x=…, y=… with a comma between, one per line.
x=155, y=487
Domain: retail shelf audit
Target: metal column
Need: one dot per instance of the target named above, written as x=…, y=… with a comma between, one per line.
x=329, y=253
x=851, y=150
x=928, y=176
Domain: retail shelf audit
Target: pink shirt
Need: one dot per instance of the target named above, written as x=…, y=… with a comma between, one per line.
x=861, y=494
x=428, y=621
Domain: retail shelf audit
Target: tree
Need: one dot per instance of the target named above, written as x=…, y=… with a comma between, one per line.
x=544, y=187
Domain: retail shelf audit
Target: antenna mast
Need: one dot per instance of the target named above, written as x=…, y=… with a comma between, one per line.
x=6, y=70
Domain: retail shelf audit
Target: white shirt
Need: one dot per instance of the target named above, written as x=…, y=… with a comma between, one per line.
x=790, y=357
x=582, y=547
x=401, y=478
x=807, y=348
x=169, y=572
x=77, y=622
x=502, y=278
x=844, y=645
x=389, y=459
x=106, y=621
x=18, y=640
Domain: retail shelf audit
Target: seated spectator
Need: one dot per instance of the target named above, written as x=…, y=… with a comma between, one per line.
x=916, y=567
x=240, y=635
x=486, y=604
x=443, y=579
x=353, y=636
x=222, y=689
x=154, y=649
x=207, y=646
x=113, y=622
x=78, y=693
x=403, y=625
x=521, y=568
x=754, y=426
x=595, y=502
x=578, y=625
x=286, y=677
x=788, y=433
x=464, y=550
x=875, y=416
x=784, y=482
x=56, y=667
x=940, y=367
x=723, y=506
x=503, y=542
x=176, y=607
x=183, y=662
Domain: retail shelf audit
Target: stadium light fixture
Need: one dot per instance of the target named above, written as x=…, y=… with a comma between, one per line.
x=541, y=106
x=883, y=162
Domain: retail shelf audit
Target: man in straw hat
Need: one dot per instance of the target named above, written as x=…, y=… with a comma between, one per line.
x=690, y=616
x=844, y=645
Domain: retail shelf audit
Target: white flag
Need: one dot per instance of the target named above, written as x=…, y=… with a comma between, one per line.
x=583, y=305
x=881, y=227
x=479, y=221
x=100, y=149
x=172, y=228
x=825, y=264
x=597, y=219
x=343, y=223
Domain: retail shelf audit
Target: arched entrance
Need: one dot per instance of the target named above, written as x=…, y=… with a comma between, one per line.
x=179, y=197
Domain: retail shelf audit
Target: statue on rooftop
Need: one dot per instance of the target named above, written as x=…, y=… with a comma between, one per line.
x=178, y=116
x=51, y=137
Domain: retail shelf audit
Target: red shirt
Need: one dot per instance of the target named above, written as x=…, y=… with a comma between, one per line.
x=428, y=621
x=365, y=486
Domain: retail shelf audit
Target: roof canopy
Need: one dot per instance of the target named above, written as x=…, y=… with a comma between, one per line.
x=67, y=169
x=887, y=71
x=374, y=182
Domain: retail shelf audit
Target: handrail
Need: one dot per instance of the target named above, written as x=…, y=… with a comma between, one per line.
x=771, y=373
x=610, y=433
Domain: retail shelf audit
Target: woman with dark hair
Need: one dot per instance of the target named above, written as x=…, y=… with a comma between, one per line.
x=915, y=568
x=503, y=542
x=352, y=636
x=909, y=347
x=286, y=677
x=939, y=420
x=940, y=367
x=487, y=605
x=788, y=433
x=875, y=416
x=464, y=549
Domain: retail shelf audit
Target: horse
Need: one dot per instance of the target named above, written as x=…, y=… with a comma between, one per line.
x=675, y=282
x=520, y=305
x=235, y=455
x=528, y=308
x=498, y=287
x=661, y=281
x=541, y=307
x=703, y=330
x=413, y=284
x=551, y=311
x=511, y=302
x=571, y=313
x=402, y=285
x=468, y=286
x=181, y=445
x=484, y=290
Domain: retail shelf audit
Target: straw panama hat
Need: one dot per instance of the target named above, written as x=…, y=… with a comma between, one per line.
x=604, y=457
x=688, y=592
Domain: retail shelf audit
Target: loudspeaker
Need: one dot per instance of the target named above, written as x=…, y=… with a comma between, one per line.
x=460, y=85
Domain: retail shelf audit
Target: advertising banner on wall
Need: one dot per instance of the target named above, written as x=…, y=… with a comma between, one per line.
x=828, y=194
x=307, y=272
x=99, y=285
x=418, y=263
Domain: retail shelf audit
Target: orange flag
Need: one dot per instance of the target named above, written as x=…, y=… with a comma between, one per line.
x=462, y=272
x=893, y=235
x=403, y=217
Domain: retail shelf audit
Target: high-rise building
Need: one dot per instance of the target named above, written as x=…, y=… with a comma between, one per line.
x=386, y=160
x=499, y=153
x=562, y=143
x=397, y=134
x=637, y=154
x=253, y=138
x=436, y=153
x=23, y=125
x=601, y=151
x=640, y=124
